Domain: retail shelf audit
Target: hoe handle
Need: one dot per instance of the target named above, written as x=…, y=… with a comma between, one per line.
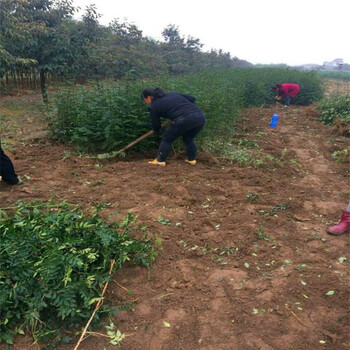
x=144, y=136
x=149, y=133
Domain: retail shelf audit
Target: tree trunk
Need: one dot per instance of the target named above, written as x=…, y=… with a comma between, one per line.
x=43, y=86
x=14, y=79
x=35, y=76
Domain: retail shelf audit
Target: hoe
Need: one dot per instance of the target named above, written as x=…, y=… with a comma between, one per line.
x=133, y=143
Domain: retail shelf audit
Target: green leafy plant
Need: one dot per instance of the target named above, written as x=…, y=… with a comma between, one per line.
x=337, y=105
x=114, y=334
x=273, y=211
x=164, y=221
x=341, y=156
x=252, y=197
x=260, y=234
x=54, y=259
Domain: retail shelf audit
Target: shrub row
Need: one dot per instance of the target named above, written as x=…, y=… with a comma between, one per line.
x=342, y=75
x=109, y=115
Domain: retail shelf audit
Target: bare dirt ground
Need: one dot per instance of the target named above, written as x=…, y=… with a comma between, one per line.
x=246, y=262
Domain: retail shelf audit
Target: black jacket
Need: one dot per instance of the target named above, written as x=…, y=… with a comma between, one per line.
x=172, y=106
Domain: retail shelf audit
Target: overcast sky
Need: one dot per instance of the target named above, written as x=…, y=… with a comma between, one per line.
x=259, y=31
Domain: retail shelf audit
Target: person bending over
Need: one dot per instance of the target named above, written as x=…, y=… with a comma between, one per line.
x=187, y=120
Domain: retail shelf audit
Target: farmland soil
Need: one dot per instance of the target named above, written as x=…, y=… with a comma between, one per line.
x=245, y=261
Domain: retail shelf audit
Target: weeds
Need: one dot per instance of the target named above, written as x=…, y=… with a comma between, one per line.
x=273, y=211
x=66, y=155
x=164, y=221
x=247, y=143
x=335, y=106
x=295, y=162
x=260, y=234
x=115, y=335
x=261, y=134
x=341, y=156
x=252, y=197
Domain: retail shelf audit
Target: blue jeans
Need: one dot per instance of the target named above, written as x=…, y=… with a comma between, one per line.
x=186, y=126
x=286, y=101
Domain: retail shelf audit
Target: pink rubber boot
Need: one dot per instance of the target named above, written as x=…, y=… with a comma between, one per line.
x=343, y=225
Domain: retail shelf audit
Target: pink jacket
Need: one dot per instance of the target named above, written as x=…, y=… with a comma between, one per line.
x=289, y=90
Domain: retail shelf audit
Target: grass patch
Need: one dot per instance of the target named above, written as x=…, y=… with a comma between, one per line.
x=18, y=114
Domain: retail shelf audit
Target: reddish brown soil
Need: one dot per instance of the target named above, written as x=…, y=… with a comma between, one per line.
x=229, y=275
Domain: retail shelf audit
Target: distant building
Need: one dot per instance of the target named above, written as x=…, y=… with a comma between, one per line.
x=336, y=64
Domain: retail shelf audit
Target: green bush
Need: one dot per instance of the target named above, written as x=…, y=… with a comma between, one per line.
x=109, y=115
x=54, y=260
x=334, y=106
x=99, y=117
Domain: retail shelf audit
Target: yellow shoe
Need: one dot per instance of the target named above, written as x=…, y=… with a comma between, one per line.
x=155, y=161
x=192, y=162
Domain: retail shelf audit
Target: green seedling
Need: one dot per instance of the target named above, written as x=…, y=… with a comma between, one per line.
x=295, y=162
x=284, y=153
x=341, y=156
x=116, y=336
x=261, y=134
x=164, y=221
x=273, y=211
x=66, y=155
x=260, y=234
x=252, y=197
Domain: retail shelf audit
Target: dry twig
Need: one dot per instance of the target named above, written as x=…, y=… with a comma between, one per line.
x=286, y=305
x=98, y=305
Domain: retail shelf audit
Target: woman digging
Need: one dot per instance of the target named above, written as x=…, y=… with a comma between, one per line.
x=187, y=120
